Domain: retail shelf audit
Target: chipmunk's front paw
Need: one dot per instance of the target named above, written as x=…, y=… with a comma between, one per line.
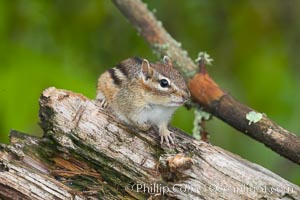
x=166, y=136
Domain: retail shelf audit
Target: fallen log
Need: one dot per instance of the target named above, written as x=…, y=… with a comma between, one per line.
x=86, y=153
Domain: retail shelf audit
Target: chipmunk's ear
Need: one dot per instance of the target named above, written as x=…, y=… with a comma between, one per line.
x=146, y=70
x=167, y=61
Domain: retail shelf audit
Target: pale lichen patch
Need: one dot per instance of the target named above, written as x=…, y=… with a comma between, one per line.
x=253, y=117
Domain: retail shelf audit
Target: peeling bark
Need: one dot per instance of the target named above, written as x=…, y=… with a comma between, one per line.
x=87, y=153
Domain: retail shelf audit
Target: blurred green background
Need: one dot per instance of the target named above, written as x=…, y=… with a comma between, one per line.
x=67, y=44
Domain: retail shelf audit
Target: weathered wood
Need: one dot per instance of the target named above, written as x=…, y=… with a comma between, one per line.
x=23, y=175
x=87, y=153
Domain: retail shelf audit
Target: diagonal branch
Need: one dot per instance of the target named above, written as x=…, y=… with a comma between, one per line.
x=204, y=90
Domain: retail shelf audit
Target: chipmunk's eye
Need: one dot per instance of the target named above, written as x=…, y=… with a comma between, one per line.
x=164, y=83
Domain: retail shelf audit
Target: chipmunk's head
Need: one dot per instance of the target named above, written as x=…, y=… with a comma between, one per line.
x=163, y=84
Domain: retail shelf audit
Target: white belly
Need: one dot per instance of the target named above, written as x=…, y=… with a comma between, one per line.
x=156, y=114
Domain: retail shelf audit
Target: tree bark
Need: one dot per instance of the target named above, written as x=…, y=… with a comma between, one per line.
x=86, y=153
x=204, y=90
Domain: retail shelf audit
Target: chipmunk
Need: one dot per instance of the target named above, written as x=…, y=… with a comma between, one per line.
x=143, y=94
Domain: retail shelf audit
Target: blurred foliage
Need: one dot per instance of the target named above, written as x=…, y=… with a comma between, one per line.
x=67, y=44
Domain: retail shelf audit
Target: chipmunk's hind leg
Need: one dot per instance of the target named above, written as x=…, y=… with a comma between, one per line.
x=101, y=99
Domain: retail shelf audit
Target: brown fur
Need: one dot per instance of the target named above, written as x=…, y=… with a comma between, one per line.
x=133, y=87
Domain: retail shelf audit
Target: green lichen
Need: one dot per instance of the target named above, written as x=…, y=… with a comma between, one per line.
x=253, y=117
x=200, y=115
x=204, y=56
x=159, y=48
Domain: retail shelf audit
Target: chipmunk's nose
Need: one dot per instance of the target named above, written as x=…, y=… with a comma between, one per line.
x=186, y=95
